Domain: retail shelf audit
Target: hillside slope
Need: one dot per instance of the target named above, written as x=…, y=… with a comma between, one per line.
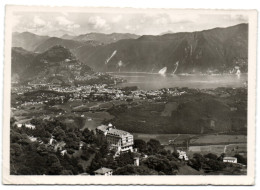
x=27, y=40
x=213, y=51
x=54, y=41
x=56, y=65
x=191, y=113
x=21, y=61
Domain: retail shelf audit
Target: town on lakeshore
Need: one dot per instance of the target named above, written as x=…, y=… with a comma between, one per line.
x=96, y=99
x=105, y=130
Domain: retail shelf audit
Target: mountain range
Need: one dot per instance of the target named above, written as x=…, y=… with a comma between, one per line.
x=27, y=40
x=216, y=50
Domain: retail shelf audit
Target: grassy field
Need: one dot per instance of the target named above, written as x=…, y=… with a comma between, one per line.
x=219, y=139
x=229, y=150
x=163, y=138
x=25, y=114
x=95, y=119
x=233, y=149
x=216, y=144
x=195, y=139
x=169, y=108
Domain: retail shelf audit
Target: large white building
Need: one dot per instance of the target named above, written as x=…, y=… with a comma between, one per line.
x=118, y=140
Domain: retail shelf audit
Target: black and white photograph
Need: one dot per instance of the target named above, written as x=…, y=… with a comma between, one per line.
x=106, y=93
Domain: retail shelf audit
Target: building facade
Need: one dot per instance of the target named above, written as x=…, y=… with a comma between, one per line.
x=230, y=159
x=118, y=140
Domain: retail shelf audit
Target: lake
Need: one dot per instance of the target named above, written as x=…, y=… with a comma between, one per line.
x=153, y=81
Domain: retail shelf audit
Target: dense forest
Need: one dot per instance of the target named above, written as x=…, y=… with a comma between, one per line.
x=39, y=151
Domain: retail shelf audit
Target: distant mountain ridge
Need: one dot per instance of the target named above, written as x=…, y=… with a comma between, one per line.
x=217, y=50
x=211, y=51
x=105, y=38
x=27, y=40
x=34, y=42
x=53, y=41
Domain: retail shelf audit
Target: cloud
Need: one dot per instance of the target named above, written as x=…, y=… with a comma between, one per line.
x=241, y=18
x=132, y=28
x=16, y=20
x=117, y=18
x=65, y=13
x=162, y=21
x=63, y=21
x=73, y=26
x=98, y=23
x=65, y=24
x=184, y=18
x=38, y=21
x=140, y=23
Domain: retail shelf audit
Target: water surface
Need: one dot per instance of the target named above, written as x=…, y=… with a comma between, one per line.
x=153, y=81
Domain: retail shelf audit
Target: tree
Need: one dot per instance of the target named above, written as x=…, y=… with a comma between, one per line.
x=72, y=141
x=197, y=161
x=215, y=165
x=16, y=149
x=140, y=145
x=35, y=122
x=66, y=172
x=160, y=164
x=241, y=159
x=59, y=134
x=211, y=156
x=125, y=159
x=88, y=136
x=85, y=154
x=104, y=149
x=12, y=121
x=153, y=146
x=175, y=155
x=96, y=163
x=221, y=157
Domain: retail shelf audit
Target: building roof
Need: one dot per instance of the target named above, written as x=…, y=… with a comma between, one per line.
x=112, y=131
x=229, y=158
x=103, y=170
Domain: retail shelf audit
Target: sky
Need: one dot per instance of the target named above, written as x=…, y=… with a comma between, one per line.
x=141, y=23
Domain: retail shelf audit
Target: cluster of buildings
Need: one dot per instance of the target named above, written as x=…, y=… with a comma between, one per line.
x=88, y=93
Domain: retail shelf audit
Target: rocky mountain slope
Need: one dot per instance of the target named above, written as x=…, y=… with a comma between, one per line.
x=56, y=65
x=213, y=51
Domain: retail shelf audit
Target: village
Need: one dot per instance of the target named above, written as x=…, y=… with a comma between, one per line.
x=95, y=92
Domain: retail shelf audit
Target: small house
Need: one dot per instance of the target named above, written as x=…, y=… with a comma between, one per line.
x=230, y=159
x=104, y=171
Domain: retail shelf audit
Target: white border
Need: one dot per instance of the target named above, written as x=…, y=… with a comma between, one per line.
x=141, y=180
